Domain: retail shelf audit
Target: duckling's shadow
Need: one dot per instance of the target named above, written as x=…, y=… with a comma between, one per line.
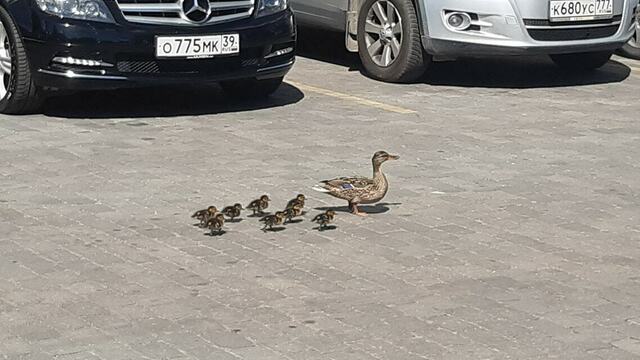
x=235, y=221
x=326, y=228
x=197, y=224
x=259, y=215
x=215, y=234
x=275, y=229
x=379, y=208
x=296, y=221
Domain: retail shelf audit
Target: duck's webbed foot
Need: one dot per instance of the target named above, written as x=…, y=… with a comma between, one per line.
x=355, y=211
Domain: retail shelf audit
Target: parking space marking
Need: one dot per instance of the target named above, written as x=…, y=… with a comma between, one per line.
x=353, y=99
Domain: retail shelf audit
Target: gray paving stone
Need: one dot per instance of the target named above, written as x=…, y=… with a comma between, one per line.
x=510, y=230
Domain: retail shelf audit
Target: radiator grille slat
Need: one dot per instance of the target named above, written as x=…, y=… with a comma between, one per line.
x=172, y=12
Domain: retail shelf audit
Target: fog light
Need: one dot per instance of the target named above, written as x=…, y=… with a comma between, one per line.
x=68, y=60
x=280, y=52
x=458, y=20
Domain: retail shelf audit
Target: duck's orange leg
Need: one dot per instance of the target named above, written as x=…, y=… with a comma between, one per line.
x=355, y=211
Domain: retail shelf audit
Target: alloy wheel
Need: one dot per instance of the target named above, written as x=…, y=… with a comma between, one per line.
x=5, y=61
x=383, y=33
x=635, y=40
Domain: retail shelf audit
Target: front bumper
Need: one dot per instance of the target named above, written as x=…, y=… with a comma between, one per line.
x=517, y=27
x=128, y=50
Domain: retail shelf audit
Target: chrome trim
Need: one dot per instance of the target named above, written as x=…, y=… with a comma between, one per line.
x=154, y=12
x=72, y=75
x=159, y=7
x=279, y=66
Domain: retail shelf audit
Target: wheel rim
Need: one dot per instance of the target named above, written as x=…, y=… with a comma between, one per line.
x=5, y=61
x=635, y=40
x=383, y=33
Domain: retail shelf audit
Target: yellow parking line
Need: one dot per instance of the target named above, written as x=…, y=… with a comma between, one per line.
x=351, y=98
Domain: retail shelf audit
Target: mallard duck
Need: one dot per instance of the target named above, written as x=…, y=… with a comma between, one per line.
x=232, y=212
x=300, y=199
x=294, y=211
x=360, y=190
x=272, y=220
x=215, y=224
x=324, y=219
x=204, y=215
x=258, y=206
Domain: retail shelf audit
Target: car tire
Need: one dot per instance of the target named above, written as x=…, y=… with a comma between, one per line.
x=251, y=88
x=389, y=41
x=632, y=48
x=18, y=92
x=581, y=62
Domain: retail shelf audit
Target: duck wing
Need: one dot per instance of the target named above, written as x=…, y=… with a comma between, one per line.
x=347, y=188
x=253, y=205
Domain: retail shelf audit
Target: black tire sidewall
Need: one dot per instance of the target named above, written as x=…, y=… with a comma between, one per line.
x=630, y=52
x=10, y=28
x=404, y=68
x=23, y=95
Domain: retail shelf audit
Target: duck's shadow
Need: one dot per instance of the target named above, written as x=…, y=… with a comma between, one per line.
x=234, y=221
x=217, y=233
x=379, y=208
x=275, y=229
x=326, y=228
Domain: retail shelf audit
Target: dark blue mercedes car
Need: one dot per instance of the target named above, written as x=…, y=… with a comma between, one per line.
x=246, y=45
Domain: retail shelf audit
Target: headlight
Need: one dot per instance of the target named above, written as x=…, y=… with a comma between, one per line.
x=267, y=7
x=94, y=10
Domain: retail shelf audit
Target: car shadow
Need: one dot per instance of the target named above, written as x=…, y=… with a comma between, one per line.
x=160, y=102
x=519, y=72
x=507, y=72
x=326, y=46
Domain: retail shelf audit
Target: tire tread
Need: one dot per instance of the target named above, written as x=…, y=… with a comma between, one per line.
x=25, y=98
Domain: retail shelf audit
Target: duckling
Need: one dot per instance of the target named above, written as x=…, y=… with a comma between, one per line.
x=294, y=211
x=258, y=206
x=298, y=200
x=215, y=224
x=324, y=219
x=204, y=215
x=272, y=220
x=360, y=190
x=232, y=212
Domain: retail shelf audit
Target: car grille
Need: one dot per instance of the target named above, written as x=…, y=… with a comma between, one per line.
x=545, y=30
x=573, y=34
x=171, y=12
x=143, y=65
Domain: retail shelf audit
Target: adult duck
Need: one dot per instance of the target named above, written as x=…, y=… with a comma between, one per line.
x=360, y=190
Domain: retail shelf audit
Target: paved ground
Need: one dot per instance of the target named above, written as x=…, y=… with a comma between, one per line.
x=511, y=229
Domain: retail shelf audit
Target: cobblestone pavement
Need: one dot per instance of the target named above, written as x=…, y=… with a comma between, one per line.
x=511, y=229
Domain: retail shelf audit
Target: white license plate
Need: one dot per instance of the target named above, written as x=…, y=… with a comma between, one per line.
x=197, y=46
x=580, y=10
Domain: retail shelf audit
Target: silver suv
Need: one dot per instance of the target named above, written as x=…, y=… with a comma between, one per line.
x=397, y=39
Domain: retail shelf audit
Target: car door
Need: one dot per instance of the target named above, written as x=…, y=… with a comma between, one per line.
x=327, y=14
